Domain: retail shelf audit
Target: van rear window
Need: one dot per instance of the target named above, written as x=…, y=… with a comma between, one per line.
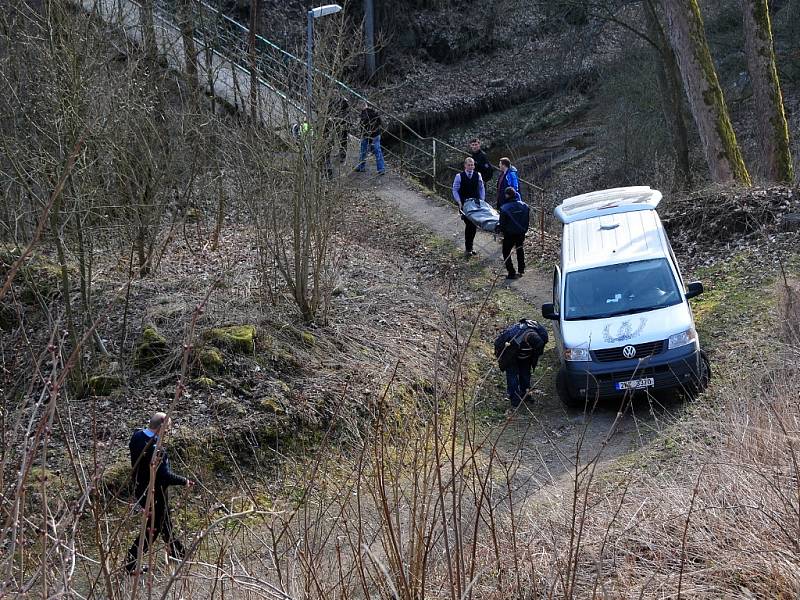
x=621, y=289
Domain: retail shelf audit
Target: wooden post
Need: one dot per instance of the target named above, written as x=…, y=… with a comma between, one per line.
x=434, y=163
x=541, y=218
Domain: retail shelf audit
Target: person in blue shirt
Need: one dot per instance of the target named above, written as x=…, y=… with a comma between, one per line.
x=468, y=184
x=145, y=451
x=508, y=178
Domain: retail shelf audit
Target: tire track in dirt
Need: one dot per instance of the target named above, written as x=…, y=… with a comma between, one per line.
x=547, y=436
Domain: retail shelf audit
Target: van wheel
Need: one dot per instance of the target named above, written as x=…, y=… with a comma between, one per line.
x=564, y=395
x=699, y=385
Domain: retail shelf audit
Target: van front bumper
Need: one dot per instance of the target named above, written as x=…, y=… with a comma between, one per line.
x=677, y=368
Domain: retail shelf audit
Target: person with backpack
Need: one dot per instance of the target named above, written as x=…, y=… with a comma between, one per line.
x=482, y=164
x=514, y=223
x=518, y=348
x=145, y=451
x=508, y=178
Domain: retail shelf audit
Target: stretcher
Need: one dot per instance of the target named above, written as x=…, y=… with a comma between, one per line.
x=480, y=214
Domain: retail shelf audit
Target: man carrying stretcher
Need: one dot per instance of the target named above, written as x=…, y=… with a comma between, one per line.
x=468, y=185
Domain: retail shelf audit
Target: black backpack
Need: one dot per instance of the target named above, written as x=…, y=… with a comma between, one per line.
x=508, y=345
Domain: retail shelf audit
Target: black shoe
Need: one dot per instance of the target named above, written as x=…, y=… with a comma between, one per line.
x=469, y=253
x=513, y=276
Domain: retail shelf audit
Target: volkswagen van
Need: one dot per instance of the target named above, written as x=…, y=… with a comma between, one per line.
x=620, y=307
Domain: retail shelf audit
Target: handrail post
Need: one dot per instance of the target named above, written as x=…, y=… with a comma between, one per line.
x=434, y=163
x=541, y=218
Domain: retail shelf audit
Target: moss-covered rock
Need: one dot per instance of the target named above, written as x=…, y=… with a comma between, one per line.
x=308, y=338
x=37, y=277
x=211, y=360
x=206, y=382
x=152, y=349
x=272, y=404
x=229, y=406
x=117, y=477
x=238, y=338
x=104, y=384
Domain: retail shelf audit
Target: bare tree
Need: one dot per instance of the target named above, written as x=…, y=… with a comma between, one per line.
x=772, y=130
x=669, y=83
x=706, y=101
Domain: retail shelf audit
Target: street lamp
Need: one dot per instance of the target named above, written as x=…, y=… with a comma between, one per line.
x=314, y=13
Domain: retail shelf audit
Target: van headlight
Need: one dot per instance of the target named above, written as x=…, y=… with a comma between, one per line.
x=577, y=354
x=684, y=338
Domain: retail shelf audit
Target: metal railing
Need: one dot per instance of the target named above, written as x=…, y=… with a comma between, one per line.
x=427, y=158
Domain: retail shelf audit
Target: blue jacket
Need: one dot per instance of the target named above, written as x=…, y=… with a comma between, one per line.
x=514, y=217
x=507, y=179
x=142, y=448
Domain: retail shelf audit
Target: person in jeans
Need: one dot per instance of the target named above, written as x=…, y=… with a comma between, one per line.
x=514, y=223
x=143, y=446
x=468, y=184
x=370, y=138
x=508, y=178
x=518, y=348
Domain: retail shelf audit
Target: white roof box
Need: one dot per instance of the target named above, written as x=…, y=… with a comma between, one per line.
x=607, y=202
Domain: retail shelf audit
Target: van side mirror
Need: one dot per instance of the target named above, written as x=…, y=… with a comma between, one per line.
x=549, y=311
x=694, y=289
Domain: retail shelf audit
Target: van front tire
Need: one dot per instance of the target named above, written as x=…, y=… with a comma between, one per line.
x=562, y=389
x=700, y=383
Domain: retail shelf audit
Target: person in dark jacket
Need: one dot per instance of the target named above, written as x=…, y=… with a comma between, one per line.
x=482, y=164
x=514, y=223
x=370, y=138
x=341, y=113
x=145, y=451
x=508, y=178
x=466, y=185
x=518, y=348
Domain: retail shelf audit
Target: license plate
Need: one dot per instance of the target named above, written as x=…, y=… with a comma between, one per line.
x=636, y=384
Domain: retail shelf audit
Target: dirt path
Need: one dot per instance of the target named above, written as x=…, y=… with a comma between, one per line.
x=548, y=437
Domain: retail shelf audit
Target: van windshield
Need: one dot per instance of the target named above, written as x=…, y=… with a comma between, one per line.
x=619, y=290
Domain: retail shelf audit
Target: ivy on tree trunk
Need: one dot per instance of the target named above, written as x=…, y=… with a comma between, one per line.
x=706, y=101
x=772, y=129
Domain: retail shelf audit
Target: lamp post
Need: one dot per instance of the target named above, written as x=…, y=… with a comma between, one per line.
x=314, y=13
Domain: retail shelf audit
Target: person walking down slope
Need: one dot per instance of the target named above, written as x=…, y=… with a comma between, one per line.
x=341, y=112
x=467, y=185
x=142, y=448
x=508, y=178
x=518, y=348
x=514, y=223
x=482, y=164
x=371, y=125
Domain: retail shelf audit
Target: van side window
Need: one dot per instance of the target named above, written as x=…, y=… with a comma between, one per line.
x=557, y=290
x=675, y=262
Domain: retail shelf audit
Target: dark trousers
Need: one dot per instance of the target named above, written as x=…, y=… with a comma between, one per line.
x=518, y=381
x=161, y=524
x=469, y=234
x=343, y=144
x=509, y=243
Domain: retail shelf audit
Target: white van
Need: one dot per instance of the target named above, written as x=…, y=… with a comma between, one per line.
x=620, y=308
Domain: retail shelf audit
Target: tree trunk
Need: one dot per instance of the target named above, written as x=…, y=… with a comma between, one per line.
x=148, y=30
x=669, y=82
x=772, y=130
x=688, y=38
x=369, y=37
x=186, y=24
x=251, y=42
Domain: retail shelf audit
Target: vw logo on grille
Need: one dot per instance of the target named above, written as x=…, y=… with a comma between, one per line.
x=629, y=351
